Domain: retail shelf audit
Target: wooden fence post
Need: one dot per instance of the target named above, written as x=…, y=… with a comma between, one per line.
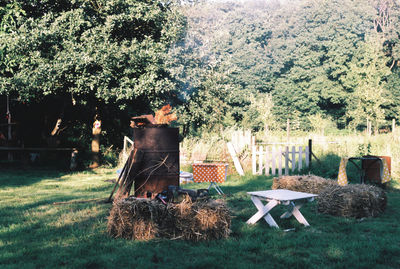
x=260, y=167
x=273, y=159
x=254, y=159
x=287, y=161
x=293, y=158
x=267, y=159
x=300, y=158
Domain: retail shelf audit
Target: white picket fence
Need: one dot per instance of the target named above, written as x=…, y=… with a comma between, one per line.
x=273, y=160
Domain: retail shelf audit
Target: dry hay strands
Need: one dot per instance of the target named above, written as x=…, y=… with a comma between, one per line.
x=133, y=218
x=307, y=183
x=144, y=219
x=356, y=200
x=200, y=220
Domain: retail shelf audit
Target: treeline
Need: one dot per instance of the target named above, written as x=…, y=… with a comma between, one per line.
x=252, y=64
x=314, y=62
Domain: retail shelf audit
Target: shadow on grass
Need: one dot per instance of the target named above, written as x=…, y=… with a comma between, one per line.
x=327, y=166
x=74, y=236
x=84, y=243
x=25, y=176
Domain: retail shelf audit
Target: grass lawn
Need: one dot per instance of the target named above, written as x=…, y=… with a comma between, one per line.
x=35, y=233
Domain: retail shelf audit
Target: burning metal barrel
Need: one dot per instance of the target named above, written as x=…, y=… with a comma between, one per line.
x=160, y=162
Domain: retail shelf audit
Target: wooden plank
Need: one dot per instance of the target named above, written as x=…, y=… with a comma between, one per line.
x=253, y=140
x=267, y=160
x=307, y=152
x=127, y=141
x=260, y=160
x=120, y=176
x=236, y=161
x=293, y=158
x=134, y=163
x=280, y=161
x=263, y=212
x=287, y=161
x=254, y=160
x=300, y=158
x=273, y=161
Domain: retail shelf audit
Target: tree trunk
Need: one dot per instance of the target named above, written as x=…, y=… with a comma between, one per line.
x=9, y=135
x=96, y=130
x=56, y=128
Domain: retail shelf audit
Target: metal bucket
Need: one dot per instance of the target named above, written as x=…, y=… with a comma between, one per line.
x=373, y=168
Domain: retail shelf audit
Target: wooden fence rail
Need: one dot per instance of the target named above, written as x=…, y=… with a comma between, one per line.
x=272, y=160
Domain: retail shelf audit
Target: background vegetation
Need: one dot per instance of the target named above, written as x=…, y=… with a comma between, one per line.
x=326, y=66
x=335, y=59
x=251, y=64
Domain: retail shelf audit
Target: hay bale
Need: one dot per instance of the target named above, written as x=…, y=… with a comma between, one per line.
x=144, y=219
x=306, y=183
x=201, y=220
x=135, y=218
x=356, y=200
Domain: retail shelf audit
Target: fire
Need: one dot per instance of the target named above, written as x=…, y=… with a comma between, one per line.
x=164, y=115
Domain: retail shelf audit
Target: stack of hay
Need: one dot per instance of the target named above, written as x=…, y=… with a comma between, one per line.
x=144, y=219
x=306, y=183
x=357, y=200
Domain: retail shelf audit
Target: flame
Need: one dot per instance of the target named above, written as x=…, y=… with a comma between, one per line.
x=165, y=116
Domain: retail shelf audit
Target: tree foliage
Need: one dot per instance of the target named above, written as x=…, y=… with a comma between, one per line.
x=254, y=63
x=311, y=56
x=90, y=57
x=369, y=72
x=109, y=51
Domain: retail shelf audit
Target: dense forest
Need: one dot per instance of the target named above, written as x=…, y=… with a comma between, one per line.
x=252, y=64
x=259, y=63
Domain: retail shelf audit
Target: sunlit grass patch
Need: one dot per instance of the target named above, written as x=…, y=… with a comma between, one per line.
x=44, y=224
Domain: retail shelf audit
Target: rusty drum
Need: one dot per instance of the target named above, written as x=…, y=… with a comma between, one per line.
x=160, y=162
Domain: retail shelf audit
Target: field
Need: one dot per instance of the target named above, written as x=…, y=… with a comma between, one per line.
x=36, y=233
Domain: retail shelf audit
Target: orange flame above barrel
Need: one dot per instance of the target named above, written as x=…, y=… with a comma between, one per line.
x=165, y=116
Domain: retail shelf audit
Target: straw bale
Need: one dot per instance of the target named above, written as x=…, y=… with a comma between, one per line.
x=206, y=219
x=135, y=218
x=144, y=219
x=356, y=200
x=306, y=183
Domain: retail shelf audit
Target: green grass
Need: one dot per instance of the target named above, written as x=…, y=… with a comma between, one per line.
x=35, y=233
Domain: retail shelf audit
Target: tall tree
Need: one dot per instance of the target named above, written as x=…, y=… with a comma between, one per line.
x=369, y=73
x=97, y=56
x=312, y=45
x=230, y=38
